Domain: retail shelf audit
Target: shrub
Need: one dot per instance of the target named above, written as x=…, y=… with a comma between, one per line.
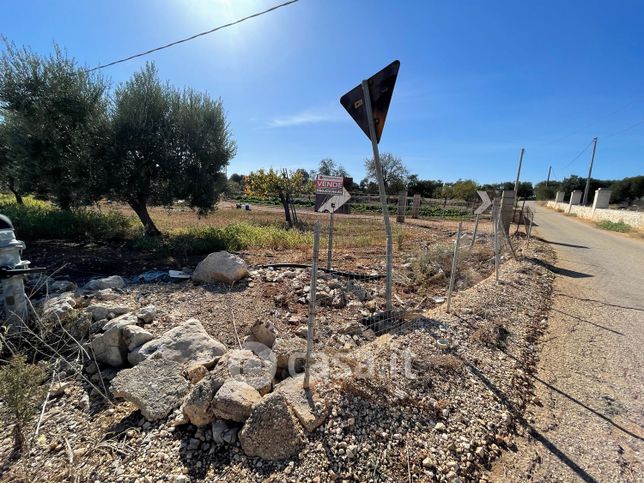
x=21, y=391
x=619, y=226
x=41, y=220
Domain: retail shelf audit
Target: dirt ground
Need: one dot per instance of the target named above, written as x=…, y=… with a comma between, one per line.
x=587, y=423
x=422, y=412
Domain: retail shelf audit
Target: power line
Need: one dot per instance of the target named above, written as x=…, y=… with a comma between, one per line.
x=192, y=37
x=578, y=156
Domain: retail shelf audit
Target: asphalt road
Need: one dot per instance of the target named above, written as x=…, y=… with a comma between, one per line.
x=590, y=378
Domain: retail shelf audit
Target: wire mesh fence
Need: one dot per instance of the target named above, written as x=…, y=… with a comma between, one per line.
x=351, y=262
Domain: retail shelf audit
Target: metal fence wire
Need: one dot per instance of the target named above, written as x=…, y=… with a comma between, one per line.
x=351, y=267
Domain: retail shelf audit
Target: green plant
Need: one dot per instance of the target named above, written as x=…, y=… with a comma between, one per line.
x=432, y=264
x=35, y=219
x=573, y=215
x=21, y=391
x=619, y=226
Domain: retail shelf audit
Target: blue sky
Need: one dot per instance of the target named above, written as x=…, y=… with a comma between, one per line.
x=478, y=79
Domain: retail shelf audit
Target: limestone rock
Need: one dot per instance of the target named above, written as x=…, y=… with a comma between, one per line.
x=59, y=306
x=146, y=314
x=234, y=400
x=195, y=372
x=243, y=365
x=307, y=405
x=102, y=283
x=198, y=407
x=272, y=432
x=264, y=332
x=135, y=336
x=188, y=342
x=109, y=347
x=220, y=267
x=155, y=386
x=223, y=433
x=101, y=311
x=289, y=353
x=121, y=321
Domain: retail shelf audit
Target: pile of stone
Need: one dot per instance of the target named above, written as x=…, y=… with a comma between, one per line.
x=243, y=394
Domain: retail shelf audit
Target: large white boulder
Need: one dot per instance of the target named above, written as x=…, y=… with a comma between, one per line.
x=188, y=342
x=220, y=267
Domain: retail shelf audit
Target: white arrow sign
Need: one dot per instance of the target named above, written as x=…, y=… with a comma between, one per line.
x=487, y=202
x=335, y=202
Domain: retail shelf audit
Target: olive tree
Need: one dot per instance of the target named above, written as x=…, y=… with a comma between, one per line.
x=57, y=113
x=166, y=144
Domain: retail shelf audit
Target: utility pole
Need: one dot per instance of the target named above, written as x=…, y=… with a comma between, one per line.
x=516, y=183
x=590, y=172
x=549, y=171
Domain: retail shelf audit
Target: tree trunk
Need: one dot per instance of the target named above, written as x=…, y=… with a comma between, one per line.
x=18, y=196
x=15, y=192
x=141, y=210
x=287, y=211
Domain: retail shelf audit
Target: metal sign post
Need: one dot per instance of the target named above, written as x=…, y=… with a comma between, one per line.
x=330, y=250
x=383, y=194
x=368, y=104
x=452, y=275
x=496, y=217
x=312, y=296
x=476, y=227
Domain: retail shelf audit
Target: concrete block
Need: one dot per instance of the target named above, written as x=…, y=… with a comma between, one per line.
x=602, y=197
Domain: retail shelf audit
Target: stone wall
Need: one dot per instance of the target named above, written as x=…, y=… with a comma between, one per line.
x=633, y=218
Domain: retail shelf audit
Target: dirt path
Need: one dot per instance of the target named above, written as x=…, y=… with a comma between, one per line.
x=589, y=416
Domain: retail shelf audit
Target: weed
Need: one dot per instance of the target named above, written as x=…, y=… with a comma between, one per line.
x=446, y=362
x=619, y=226
x=491, y=334
x=21, y=391
x=573, y=215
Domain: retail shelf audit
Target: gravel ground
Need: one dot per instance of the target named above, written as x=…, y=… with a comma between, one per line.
x=588, y=423
x=401, y=407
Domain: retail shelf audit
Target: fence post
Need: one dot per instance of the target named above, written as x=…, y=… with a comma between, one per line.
x=402, y=206
x=312, y=296
x=496, y=216
x=476, y=227
x=452, y=275
x=330, y=250
x=416, y=206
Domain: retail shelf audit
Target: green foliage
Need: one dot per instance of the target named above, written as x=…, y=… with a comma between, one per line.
x=543, y=192
x=619, y=226
x=426, y=188
x=627, y=190
x=432, y=265
x=21, y=392
x=55, y=123
x=328, y=167
x=167, y=144
x=284, y=185
x=465, y=190
x=233, y=237
x=394, y=173
x=38, y=220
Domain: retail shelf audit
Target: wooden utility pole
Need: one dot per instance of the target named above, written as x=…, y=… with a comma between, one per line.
x=548, y=179
x=590, y=172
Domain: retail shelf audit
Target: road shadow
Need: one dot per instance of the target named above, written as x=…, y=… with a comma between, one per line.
x=517, y=415
x=600, y=302
x=581, y=404
x=570, y=245
x=559, y=270
x=587, y=321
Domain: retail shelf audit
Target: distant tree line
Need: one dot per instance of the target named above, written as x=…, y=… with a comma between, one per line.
x=65, y=136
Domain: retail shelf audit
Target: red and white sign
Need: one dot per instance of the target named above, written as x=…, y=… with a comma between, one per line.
x=329, y=185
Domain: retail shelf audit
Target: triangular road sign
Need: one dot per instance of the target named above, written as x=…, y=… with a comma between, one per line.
x=381, y=88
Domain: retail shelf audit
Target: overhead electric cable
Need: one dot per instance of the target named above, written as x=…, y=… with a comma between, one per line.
x=201, y=34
